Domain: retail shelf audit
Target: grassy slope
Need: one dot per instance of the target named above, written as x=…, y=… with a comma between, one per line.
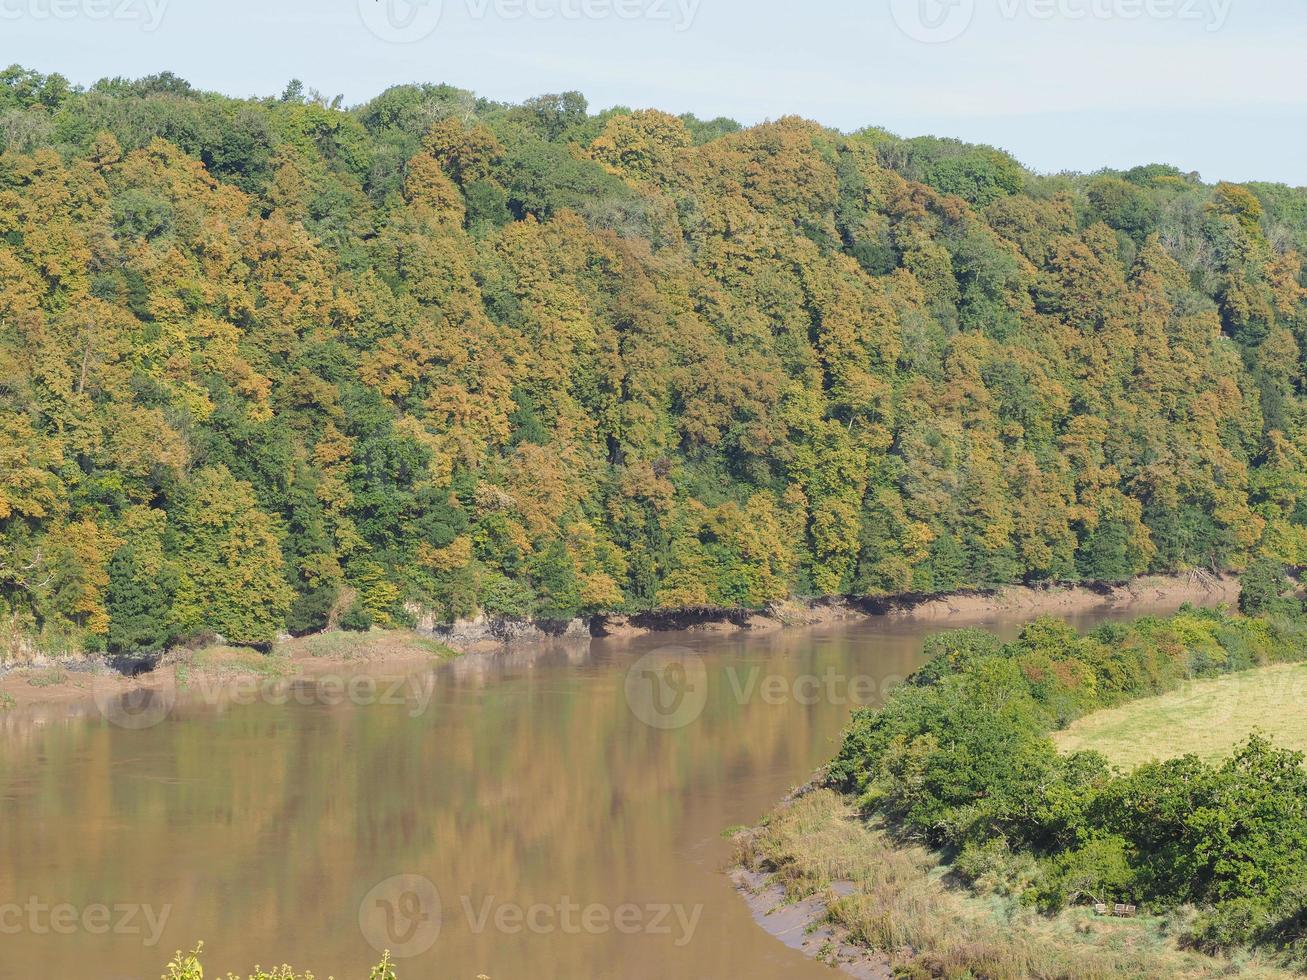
x=1207, y=718
x=901, y=905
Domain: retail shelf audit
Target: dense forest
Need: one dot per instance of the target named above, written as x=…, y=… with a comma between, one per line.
x=275, y=364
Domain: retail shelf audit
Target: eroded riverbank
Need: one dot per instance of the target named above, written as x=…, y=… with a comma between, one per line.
x=88, y=687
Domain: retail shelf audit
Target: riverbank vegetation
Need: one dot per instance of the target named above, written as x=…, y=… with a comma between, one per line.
x=903, y=900
x=960, y=759
x=274, y=364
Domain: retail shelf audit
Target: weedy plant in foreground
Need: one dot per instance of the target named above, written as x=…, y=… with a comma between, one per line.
x=187, y=966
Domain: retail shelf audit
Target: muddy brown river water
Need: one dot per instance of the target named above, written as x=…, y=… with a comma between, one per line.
x=553, y=814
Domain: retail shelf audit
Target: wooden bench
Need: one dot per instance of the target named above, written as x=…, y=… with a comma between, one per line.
x=1118, y=911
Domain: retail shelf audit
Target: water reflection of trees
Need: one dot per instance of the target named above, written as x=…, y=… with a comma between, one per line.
x=527, y=779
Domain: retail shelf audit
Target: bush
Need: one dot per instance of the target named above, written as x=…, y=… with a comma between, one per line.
x=993, y=867
x=953, y=651
x=1099, y=870
x=357, y=618
x=1265, y=589
x=1232, y=925
x=311, y=611
x=502, y=596
x=962, y=758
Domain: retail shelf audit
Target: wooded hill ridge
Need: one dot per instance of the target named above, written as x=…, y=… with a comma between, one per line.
x=269, y=364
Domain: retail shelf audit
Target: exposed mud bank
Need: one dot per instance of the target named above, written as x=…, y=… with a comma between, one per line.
x=969, y=606
x=48, y=689
x=1201, y=588
x=485, y=635
x=805, y=925
x=79, y=685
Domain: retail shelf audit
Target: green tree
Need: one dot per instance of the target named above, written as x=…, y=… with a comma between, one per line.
x=230, y=571
x=1264, y=589
x=139, y=600
x=557, y=589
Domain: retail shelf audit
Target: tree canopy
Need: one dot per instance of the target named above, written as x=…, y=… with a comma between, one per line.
x=270, y=360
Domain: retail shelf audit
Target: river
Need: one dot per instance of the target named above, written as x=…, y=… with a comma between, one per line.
x=549, y=814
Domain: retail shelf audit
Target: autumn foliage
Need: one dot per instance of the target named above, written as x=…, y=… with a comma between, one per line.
x=266, y=363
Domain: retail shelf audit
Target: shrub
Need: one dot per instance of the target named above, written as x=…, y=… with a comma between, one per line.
x=1264, y=589
x=356, y=619
x=952, y=651
x=502, y=596
x=962, y=758
x=1099, y=870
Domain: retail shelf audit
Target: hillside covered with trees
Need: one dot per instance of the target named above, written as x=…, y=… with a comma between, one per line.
x=272, y=364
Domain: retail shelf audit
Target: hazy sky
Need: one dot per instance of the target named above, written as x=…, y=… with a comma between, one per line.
x=1209, y=85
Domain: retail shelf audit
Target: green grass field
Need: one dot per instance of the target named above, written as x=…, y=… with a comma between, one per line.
x=1208, y=718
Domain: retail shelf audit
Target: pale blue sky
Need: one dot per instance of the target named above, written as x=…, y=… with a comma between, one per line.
x=1210, y=85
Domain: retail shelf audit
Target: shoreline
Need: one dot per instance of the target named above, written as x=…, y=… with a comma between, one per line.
x=856, y=890
x=82, y=687
x=803, y=924
x=970, y=606
x=851, y=895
